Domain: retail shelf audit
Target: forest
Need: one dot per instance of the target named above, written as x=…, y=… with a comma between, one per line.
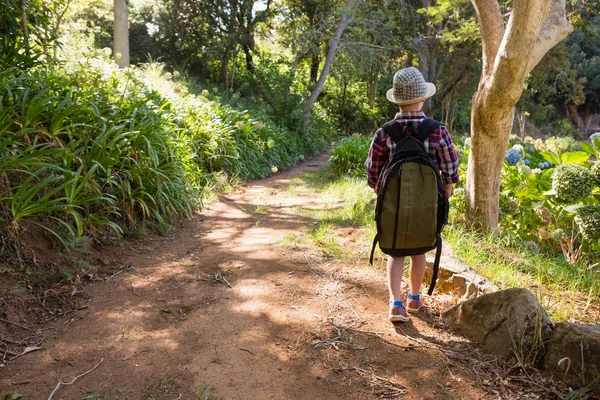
x=122, y=119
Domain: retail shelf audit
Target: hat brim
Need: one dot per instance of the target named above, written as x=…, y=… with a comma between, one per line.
x=430, y=92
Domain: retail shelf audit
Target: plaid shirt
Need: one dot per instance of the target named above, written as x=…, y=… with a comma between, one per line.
x=438, y=146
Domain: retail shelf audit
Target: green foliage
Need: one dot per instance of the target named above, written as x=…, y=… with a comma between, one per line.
x=572, y=183
x=588, y=221
x=99, y=148
x=349, y=156
x=595, y=170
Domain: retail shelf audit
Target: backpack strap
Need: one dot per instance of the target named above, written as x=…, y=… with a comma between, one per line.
x=436, y=263
x=397, y=132
x=394, y=130
x=426, y=128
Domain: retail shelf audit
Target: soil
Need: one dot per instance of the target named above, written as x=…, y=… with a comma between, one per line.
x=222, y=308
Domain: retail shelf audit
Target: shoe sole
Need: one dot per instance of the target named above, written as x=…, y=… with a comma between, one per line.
x=399, y=318
x=413, y=310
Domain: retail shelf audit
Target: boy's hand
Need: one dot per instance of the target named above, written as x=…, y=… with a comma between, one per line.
x=448, y=189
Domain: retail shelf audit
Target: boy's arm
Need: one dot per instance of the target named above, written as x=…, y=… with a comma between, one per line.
x=379, y=154
x=448, y=161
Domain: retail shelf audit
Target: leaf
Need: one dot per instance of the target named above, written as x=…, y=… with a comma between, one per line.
x=573, y=208
x=12, y=396
x=588, y=149
x=574, y=157
x=551, y=192
x=30, y=349
x=553, y=158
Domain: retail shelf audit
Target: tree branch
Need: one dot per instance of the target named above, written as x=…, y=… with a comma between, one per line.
x=492, y=31
x=556, y=28
x=510, y=67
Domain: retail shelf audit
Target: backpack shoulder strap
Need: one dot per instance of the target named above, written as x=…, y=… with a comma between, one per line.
x=426, y=128
x=394, y=130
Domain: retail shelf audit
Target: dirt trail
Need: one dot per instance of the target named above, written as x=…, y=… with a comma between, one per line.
x=167, y=329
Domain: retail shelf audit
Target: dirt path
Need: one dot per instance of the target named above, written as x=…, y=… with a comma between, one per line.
x=167, y=329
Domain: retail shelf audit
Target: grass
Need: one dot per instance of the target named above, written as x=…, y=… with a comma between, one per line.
x=347, y=203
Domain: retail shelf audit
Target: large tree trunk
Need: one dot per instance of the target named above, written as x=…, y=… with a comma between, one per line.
x=121, y=33
x=533, y=28
x=343, y=24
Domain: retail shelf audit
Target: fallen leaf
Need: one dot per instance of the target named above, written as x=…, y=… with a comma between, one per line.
x=12, y=396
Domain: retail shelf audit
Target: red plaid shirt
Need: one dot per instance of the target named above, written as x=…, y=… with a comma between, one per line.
x=438, y=146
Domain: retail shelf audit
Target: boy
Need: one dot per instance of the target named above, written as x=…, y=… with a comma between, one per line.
x=410, y=91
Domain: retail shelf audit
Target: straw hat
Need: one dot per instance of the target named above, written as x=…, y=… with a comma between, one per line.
x=410, y=87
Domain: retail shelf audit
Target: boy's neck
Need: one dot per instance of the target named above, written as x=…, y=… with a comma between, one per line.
x=412, y=107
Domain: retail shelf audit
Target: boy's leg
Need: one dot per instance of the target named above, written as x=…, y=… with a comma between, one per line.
x=417, y=272
x=395, y=269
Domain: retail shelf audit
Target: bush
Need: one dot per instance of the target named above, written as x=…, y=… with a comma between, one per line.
x=572, y=183
x=98, y=147
x=588, y=221
x=350, y=155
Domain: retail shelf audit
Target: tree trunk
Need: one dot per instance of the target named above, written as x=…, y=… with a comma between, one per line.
x=121, y=33
x=224, y=75
x=25, y=24
x=343, y=24
x=533, y=28
x=489, y=141
x=315, y=61
x=249, y=61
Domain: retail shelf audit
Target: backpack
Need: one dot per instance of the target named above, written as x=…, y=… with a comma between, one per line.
x=412, y=207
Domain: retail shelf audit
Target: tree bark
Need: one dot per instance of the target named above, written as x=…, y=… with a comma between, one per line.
x=25, y=24
x=342, y=25
x=508, y=56
x=224, y=75
x=121, y=33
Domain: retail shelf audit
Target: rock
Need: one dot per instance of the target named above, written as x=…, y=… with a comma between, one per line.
x=457, y=278
x=508, y=323
x=575, y=341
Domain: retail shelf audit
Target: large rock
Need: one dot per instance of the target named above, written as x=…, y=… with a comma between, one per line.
x=456, y=277
x=578, y=346
x=508, y=323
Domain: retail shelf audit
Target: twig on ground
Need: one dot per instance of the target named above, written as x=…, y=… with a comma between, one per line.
x=128, y=268
x=378, y=335
x=14, y=323
x=389, y=388
x=61, y=383
x=218, y=276
x=74, y=320
x=248, y=350
x=27, y=351
x=135, y=353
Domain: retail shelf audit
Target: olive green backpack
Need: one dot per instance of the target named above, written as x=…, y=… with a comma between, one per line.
x=412, y=207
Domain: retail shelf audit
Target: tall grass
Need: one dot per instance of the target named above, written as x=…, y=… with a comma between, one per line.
x=89, y=150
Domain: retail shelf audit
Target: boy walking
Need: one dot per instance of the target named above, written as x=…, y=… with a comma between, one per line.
x=410, y=91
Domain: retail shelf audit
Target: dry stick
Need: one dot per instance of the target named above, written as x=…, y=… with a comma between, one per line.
x=134, y=354
x=60, y=382
x=14, y=323
x=379, y=335
x=248, y=350
x=129, y=268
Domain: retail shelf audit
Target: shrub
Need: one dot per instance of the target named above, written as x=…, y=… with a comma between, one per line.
x=349, y=156
x=588, y=221
x=571, y=183
x=595, y=170
x=512, y=157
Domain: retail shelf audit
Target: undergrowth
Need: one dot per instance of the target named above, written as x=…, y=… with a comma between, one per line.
x=87, y=150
